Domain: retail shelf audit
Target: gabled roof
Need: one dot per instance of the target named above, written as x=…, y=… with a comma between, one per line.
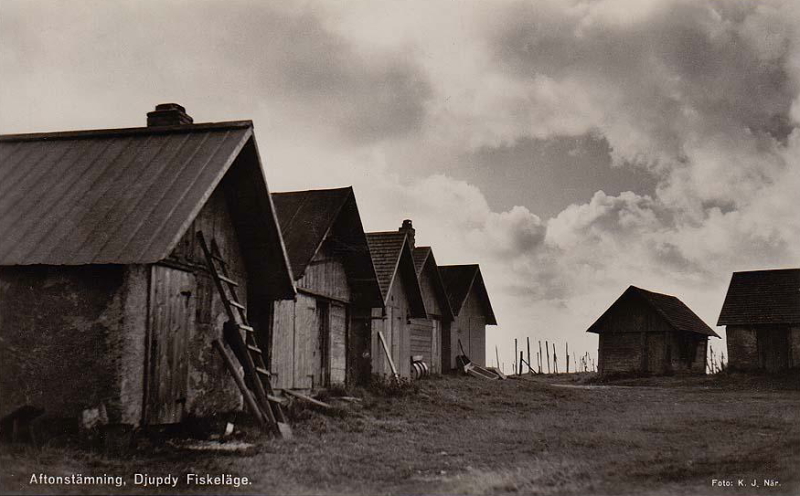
x=674, y=312
x=762, y=297
x=424, y=260
x=391, y=256
x=309, y=218
x=127, y=196
x=459, y=280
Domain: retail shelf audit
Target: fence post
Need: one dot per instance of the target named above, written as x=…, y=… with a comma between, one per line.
x=547, y=348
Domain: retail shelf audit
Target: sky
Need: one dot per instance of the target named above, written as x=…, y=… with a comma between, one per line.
x=571, y=147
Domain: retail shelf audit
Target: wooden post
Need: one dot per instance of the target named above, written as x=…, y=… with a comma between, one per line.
x=540, y=356
x=555, y=360
x=567, y=358
x=497, y=357
x=521, y=358
x=515, y=355
x=547, y=348
x=529, y=354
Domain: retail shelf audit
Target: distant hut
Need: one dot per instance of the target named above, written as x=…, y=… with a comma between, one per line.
x=426, y=334
x=473, y=312
x=651, y=333
x=106, y=305
x=320, y=338
x=402, y=297
x=762, y=315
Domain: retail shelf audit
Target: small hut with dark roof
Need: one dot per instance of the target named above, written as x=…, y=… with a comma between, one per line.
x=402, y=298
x=106, y=303
x=321, y=338
x=426, y=334
x=473, y=311
x=651, y=333
x=762, y=315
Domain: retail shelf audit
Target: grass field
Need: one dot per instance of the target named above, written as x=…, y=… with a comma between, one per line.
x=457, y=435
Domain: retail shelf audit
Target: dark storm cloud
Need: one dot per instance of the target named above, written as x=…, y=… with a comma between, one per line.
x=366, y=95
x=683, y=68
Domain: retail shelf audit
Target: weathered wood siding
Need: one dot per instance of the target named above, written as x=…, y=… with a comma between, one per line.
x=425, y=336
x=396, y=332
x=338, y=344
x=326, y=275
x=763, y=347
x=619, y=352
x=359, y=347
x=742, y=348
x=171, y=327
x=309, y=335
x=470, y=327
x=211, y=389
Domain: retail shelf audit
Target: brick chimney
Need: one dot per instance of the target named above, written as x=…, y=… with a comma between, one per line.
x=408, y=228
x=168, y=114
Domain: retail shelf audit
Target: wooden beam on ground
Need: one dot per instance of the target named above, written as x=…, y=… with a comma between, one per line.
x=307, y=398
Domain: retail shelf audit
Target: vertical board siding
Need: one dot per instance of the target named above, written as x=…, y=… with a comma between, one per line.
x=306, y=343
x=171, y=326
x=742, y=348
x=211, y=389
x=326, y=275
x=338, y=344
x=282, y=355
x=422, y=339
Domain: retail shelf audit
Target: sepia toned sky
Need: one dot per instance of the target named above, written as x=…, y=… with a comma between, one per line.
x=571, y=147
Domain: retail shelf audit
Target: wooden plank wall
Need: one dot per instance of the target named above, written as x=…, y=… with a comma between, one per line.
x=396, y=332
x=338, y=344
x=211, y=389
x=326, y=275
x=171, y=325
x=742, y=348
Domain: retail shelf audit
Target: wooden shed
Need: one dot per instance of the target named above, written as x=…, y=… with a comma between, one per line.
x=402, y=298
x=473, y=311
x=106, y=305
x=320, y=338
x=651, y=333
x=762, y=318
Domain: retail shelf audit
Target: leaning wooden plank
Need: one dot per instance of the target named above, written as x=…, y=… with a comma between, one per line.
x=388, y=355
x=475, y=373
x=497, y=371
x=248, y=398
x=306, y=398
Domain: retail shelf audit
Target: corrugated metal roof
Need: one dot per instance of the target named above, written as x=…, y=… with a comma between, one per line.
x=84, y=198
x=309, y=218
x=392, y=255
x=674, y=311
x=459, y=280
x=762, y=297
x=123, y=196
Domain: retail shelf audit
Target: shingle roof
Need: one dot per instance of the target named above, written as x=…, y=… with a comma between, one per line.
x=308, y=218
x=124, y=196
x=676, y=314
x=459, y=281
x=391, y=255
x=423, y=257
x=762, y=297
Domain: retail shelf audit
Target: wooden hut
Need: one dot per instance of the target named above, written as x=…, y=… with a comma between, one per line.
x=472, y=310
x=762, y=318
x=402, y=298
x=651, y=333
x=320, y=338
x=426, y=334
x=106, y=305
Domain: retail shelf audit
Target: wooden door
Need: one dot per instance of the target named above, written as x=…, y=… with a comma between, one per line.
x=436, y=358
x=338, y=344
x=171, y=321
x=306, y=343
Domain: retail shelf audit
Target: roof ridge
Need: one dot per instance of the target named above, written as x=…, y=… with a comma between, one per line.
x=127, y=131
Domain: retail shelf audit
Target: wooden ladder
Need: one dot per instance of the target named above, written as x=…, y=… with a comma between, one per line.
x=266, y=405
